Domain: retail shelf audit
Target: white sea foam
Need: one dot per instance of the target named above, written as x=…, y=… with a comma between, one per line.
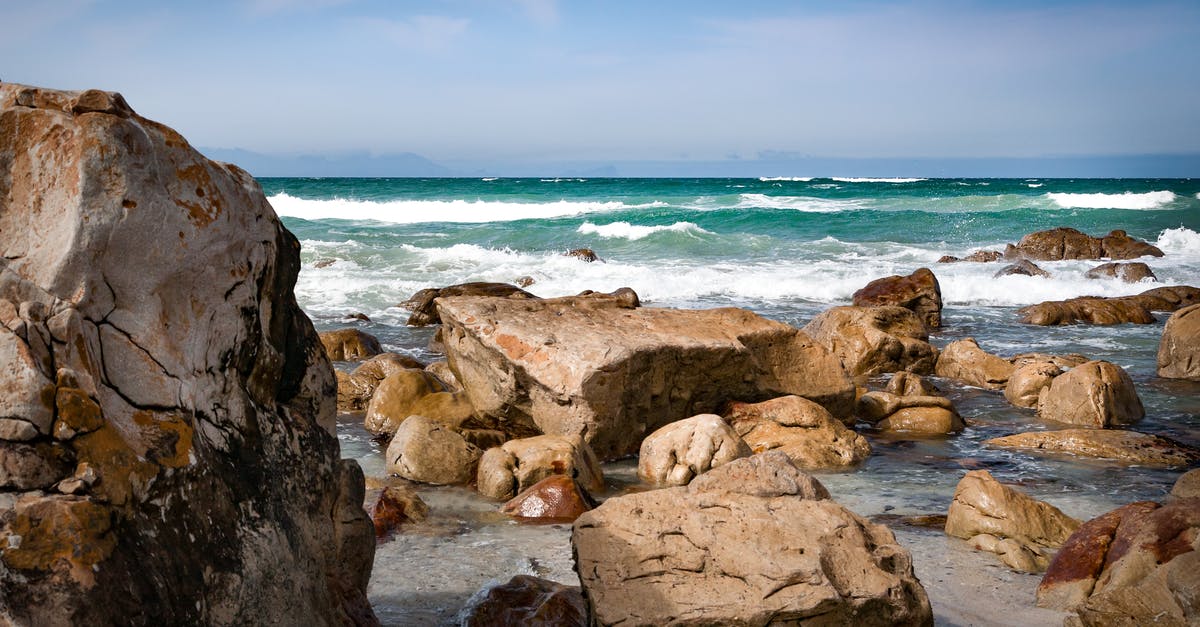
x=488, y=179
x=629, y=231
x=797, y=179
x=1127, y=200
x=799, y=203
x=1180, y=241
x=1036, y=185
x=416, y=211
x=873, y=180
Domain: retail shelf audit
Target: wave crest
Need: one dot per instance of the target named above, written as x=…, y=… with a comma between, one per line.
x=417, y=211
x=1127, y=200
x=842, y=179
x=629, y=231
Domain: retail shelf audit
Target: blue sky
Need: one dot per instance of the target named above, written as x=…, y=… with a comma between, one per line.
x=545, y=80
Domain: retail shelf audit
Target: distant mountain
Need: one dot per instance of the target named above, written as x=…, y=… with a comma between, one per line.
x=356, y=164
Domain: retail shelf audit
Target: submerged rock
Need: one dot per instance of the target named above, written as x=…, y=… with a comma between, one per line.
x=1129, y=447
x=1179, y=348
x=1067, y=243
x=1097, y=394
x=1128, y=272
x=979, y=256
x=918, y=292
x=678, y=452
x=152, y=341
x=874, y=340
x=583, y=254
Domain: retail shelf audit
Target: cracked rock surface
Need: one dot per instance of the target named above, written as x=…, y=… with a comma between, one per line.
x=166, y=409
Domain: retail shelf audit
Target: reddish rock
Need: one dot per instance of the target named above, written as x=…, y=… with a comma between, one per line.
x=527, y=601
x=583, y=254
x=555, y=499
x=1119, y=445
x=395, y=506
x=1128, y=272
x=425, y=313
x=1119, y=245
x=1169, y=298
x=918, y=292
x=1087, y=310
x=1067, y=243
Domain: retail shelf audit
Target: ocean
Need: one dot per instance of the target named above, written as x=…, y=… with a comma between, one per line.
x=786, y=248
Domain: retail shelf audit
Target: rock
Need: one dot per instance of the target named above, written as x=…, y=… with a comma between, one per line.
x=747, y=543
x=182, y=400
x=1179, y=348
x=397, y=397
x=583, y=254
x=395, y=506
x=979, y=256
x=324, y=263
x=799, y=428
x=1128, y=272
x=350, y=344
x=445, y=375
x=1097, y=394
x=525, y=281
x=356, y=389
x=526, y=601
x=984, y=506
x=424, y=311
x=911, y=384
x=592, y=366
x=681, y=450
x=1128, y=447
x=964, y=361
x=516, y=465
x=918, y=292
x=1023, y=267
x=359, y=316
x=1027, y=381
x=1067, y=243
x=557, y=498
x=1117, y=310
x=1187, y=486
x=1136, y=565
x=1170, y=298
x=427, y=451
x=925, y=415
x=948, y=259
x=874, y=340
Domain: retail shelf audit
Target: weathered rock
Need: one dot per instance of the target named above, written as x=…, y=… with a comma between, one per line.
x=979, y=256
x=1136, y=565
x=1097, y=394
x=678, y=452
x=395, y=506
x=525, y=281
x=1067, y=243
x=1170, y=298
x=874, y=340
x=924, y=415
x=1187, y=486
x=983, y=506
x=415, y=392
x=911, y=384
x=745, y=544
x=355, y=315
x=918, y=292
x=445, y=375
x=1179, y=348
x=592, y=366
x=427, y=451
x=1028, y=380
x=1023, y=267
x=356, y=388
x=518, y=464
x=1128, y=447
x=424, y=311
x=799, y=428
x=1117, y=310
x=350, y=344
x=1131, y=272
x=152, y=291
x=557, y=498
x=965, y=361
x=526, y=601
x=583, y=254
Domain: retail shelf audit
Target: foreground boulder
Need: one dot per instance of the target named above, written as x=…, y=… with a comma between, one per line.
x=1179, y=349
x=1097, y=394
x=1128, y=447
x=1067, y=243
x=1131, y=272
x=965, y=361
x=918, y=292
x=1116, y=310
x=516, y=465
x=799, y=428
x=874, y=340
x=1187, y=486
x=752, y=542
x=677, y=452
x=526, y=601
x=425, y=313
x=593, y=366
x=993, y=517
x=350, y=345
x=1136, y=565
x=173, y=405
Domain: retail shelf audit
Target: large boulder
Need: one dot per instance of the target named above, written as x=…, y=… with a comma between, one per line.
x=1130, y=272
x=516, y=465
x=1136, y=565
x=677, y=452
x=1067, y=243
x=430, y=452
x=1179, y=349
x=799, y=428
x=1022, y=530
x=753, y=542
x=173, y=406
x=1129, y=447
x=593, y=366
x=874, y=340
x=1097, y=394
x=965, y=361
x=350, y=344
x=424, y=311
x=1114, y=310
x=918, y=292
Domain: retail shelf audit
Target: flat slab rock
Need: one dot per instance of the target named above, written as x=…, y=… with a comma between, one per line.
x=593, y=366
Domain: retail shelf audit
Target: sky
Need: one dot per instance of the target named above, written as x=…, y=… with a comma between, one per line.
x=512, y=81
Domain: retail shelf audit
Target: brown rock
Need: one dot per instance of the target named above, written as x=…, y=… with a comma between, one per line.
x=525, y=281
x=1067, y=243
x=965, y=361
x=918, y=292
x=445, y=375
x=395, y=506
x=1097, y=394
x=746, y=547
x=1187, y=486
x=583, y=254
x=984, y=506
x=424, y=311
x=1179, y=348
x=1119, y=245
x=426, y=451
x=1023, y=267
x=527, y=601
x=350, y=344
x=678, y=452
x=1117, y=310
x=911, y=384
x=925, y=415
x=1170, y=298
x=397, y=397
x=1128, y=447
x=592, y=366
x=874, y=340
x=979, y=256
x=518, y=464
x=324, y=263
x=799, y=428
x=555, y=499
x=356, y=389
x=1128, y=272
x=1027, y=381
